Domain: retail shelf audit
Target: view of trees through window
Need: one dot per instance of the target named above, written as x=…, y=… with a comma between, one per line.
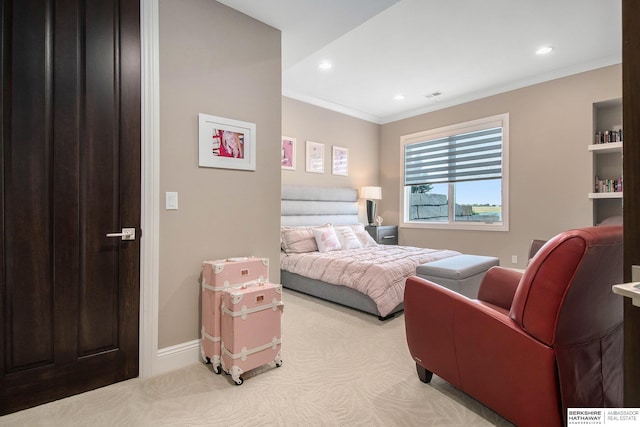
x=474, y=201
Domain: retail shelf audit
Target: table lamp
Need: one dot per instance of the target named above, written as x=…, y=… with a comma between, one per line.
x=371, y=194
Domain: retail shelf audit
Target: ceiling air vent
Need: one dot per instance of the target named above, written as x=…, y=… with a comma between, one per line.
x=433, y=94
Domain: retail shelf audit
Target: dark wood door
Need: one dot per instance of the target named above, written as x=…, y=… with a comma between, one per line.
x=69, y=174
x=631, y=207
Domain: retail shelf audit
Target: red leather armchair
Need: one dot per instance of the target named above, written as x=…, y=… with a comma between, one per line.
x=535, y=343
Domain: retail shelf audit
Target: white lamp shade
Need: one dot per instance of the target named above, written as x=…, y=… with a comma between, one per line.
x=371, y=193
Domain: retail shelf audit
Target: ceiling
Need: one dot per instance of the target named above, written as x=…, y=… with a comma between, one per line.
x=462, y=49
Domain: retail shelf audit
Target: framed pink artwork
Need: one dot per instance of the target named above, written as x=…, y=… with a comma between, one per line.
x=288, y=153
x=226, y=143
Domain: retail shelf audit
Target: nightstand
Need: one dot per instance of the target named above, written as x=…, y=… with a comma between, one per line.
x=384, y=234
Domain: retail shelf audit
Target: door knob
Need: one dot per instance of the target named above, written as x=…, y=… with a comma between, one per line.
x=127, y=234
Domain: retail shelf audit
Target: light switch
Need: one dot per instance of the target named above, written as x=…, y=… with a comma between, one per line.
x=171, y=200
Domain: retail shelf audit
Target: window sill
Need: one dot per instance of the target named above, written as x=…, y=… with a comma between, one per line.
x=477, y=226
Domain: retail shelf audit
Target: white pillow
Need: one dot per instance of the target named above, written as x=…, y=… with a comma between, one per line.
x=347, y=238
x=357, y=227
x=365, y=239
x=326, y=239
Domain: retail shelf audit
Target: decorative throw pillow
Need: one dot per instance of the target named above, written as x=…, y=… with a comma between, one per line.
x=357, y=227
x=365, y=239
x=347, y=238
x=298, y=240
x=326, y=239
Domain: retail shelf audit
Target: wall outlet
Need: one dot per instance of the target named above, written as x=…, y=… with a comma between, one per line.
x=514, y=259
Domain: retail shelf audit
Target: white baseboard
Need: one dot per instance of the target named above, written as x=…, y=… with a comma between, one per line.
x=176, y=357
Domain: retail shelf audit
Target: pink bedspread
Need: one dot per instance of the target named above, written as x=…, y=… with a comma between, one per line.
x=377, y=271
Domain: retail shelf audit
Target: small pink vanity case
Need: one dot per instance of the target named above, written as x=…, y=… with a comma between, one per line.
x=216, y=277
x=251, y=331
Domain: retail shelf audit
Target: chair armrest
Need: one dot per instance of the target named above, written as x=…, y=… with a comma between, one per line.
x=428, y=315
x=499, y=286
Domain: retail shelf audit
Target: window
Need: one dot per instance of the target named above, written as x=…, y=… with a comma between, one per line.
x=457, y=176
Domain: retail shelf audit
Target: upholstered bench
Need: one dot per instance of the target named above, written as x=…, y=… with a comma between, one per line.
x=461, y=273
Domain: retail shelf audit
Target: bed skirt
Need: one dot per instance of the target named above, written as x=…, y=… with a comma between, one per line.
x=335, y=293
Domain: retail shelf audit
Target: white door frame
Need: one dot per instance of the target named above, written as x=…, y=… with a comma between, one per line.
x=150, y=185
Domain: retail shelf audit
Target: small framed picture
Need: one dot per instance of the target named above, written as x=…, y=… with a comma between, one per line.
x=226, y=143
x=315, y=157
x=340, y=156
x=288, y=153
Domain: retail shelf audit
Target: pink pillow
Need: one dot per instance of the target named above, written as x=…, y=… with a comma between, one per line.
x=298, y=240
x=326, y=239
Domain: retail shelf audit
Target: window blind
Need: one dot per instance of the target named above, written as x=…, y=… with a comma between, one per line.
x=469, y=156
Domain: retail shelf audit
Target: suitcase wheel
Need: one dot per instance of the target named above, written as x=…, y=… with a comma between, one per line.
x=278, y=363
x=217, y=369
x=238, y=380
x=207, y=360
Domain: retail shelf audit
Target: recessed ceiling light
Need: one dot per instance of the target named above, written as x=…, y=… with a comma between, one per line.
x=399, y=97
x=325, y=65
x=433, y=94
x=544, y=50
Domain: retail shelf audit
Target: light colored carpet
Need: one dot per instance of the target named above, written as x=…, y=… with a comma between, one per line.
x=340, y=368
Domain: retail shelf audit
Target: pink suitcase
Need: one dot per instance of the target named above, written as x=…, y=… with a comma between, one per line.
x=251, y=331
x=216, y=277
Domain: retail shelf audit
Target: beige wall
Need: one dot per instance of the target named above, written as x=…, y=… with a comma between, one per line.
x=217, y=61
x=550, y=167
x=307, y=122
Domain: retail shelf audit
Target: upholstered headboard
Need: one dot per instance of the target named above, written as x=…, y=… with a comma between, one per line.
x=304, y=205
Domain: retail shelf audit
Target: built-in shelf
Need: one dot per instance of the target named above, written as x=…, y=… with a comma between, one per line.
x=629, y=290
x=612, y=147
x=606, y=156
x=612, y=195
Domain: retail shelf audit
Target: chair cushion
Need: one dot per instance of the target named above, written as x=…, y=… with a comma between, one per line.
x=457, y=267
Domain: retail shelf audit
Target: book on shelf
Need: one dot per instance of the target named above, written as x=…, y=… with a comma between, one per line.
x=608, y=185
x=607, y=136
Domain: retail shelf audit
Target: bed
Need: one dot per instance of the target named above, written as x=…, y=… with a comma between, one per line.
x=368, y=277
